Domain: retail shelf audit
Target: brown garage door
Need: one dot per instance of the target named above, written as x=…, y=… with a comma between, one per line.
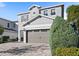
x=38, y=36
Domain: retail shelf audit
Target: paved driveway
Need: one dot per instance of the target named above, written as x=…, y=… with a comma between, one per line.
x=21, y=49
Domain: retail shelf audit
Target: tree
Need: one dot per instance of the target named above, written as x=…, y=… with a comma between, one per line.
x=1, y=30
x=62, y=35
x=73, y=14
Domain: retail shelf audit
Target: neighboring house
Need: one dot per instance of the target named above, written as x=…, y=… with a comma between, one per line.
x=16, y=22
x=35, y=24
x=10, y=28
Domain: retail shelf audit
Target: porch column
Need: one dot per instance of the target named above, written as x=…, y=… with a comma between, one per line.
x=24, y=36
x=19, y=29
x=19, y=35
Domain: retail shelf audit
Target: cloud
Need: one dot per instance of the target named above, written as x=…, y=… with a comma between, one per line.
x=2, y=5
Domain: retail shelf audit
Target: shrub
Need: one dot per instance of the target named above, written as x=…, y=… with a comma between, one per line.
x=5, y=39
x=0, y=41
x=1, y=30
x=13, y=40
x=67, y=52
x=62, y=35
x=73, y=14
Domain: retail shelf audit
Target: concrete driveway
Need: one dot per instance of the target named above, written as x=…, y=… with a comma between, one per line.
x=27, y=49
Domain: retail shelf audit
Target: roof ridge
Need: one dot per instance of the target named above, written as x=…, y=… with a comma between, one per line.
x=53, y=6
x=5, y=19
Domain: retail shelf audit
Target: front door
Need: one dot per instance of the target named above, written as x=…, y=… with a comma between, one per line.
x=26, y=36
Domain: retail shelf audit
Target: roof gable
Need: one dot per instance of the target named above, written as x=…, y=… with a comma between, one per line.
x=31, y=20
x=39, y=20
x=33, y=6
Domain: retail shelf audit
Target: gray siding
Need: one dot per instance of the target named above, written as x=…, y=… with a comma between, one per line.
x=58, y=11
x=4, y=23
x=10, y=31
x=41, y=21
x=31, y=15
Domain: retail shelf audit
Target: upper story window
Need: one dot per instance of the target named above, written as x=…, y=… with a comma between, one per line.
x=14, y=25
x=46, y=12
x=33, y=12
x=39, y=11
x=52, y=11
x=24, y=18
x=27, y=17
x=8, y=25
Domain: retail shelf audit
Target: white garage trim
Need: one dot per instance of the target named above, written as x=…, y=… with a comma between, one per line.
x=32, y=27
x=24, y=32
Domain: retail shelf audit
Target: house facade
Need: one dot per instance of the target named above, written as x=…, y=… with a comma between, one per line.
x=35, y=24
x=10, y=28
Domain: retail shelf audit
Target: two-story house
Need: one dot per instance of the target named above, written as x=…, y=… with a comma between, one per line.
x=10, y=28
x=35, y=24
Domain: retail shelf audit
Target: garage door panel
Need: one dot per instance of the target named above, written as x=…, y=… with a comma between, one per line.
x=38, y=36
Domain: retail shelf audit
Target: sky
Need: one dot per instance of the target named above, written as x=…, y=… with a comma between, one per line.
x=9, y=10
